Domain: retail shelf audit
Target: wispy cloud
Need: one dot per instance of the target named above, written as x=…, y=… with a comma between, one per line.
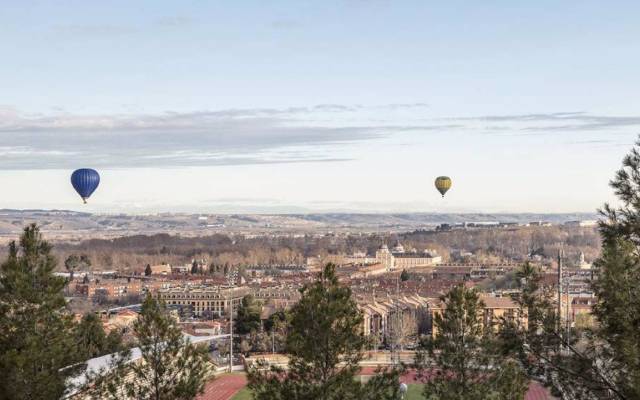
x=555, y=116
x=222, y=137
x=111, y=30
x=406, y=106
x=558, y=121
x=255, y=135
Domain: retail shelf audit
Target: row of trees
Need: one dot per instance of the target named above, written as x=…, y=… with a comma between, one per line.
x=129, y=253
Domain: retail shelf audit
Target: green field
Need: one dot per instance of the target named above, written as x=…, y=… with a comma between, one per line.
x=414, y=393
x=244, y=394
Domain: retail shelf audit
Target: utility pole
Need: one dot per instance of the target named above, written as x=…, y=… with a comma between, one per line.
x=231, y=280
x=231, y=334
x=559, y=317
x=397, y=330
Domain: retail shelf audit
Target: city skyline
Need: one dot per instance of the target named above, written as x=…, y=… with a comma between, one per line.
x=342, y=106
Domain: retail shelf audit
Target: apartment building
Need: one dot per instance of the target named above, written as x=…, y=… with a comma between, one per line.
x=201, y=299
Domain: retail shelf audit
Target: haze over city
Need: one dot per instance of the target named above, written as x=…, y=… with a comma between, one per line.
x=325, y=106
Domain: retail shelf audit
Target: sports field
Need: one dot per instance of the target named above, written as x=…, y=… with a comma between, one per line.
x=232, y=387
x=412, y=394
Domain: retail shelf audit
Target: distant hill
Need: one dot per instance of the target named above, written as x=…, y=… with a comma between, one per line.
x=68, y=225
x=435, y=218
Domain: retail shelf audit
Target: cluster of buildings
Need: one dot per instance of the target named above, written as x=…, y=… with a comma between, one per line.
x=395, y=320
x=389, y=319
x=117, y=288
x=396, y=258
x=393, y=311
x=502, y=224
x=113, y=286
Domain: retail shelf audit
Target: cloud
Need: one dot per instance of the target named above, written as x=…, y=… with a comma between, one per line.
x=336, y=108
x=254, y=135
x=406, y=106
x=527, y=117
x=559, y=121
x=111, y=30
x=220, y=137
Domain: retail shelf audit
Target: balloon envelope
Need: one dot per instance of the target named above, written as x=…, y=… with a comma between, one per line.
x=85, y=181
x=443, y=184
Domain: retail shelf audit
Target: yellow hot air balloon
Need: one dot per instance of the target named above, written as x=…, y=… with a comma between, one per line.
x=443, y=183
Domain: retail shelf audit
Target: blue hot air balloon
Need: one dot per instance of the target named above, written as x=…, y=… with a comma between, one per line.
x=85, y=181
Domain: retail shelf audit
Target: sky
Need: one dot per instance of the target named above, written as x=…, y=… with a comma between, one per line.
x=317, y=106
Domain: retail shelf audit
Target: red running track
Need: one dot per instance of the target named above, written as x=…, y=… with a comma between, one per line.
x=223, y=387
x=226, y=386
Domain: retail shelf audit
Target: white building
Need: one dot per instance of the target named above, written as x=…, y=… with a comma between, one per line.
x=398, y=259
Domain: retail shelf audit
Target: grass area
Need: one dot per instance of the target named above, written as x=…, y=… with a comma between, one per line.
x=414, y=393
x=244, y=394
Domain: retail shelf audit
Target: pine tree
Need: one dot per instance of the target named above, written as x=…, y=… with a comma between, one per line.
x=36, y=333
x=170, y=368
x=602, y=362
x=194, y=267
x=147, y=270
x=324, y=345
x=91, y=339
x=277, y=326
x=74, y=262
x=618, y=284
x=404, y=275
x=461, y=361
x=248, y=316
